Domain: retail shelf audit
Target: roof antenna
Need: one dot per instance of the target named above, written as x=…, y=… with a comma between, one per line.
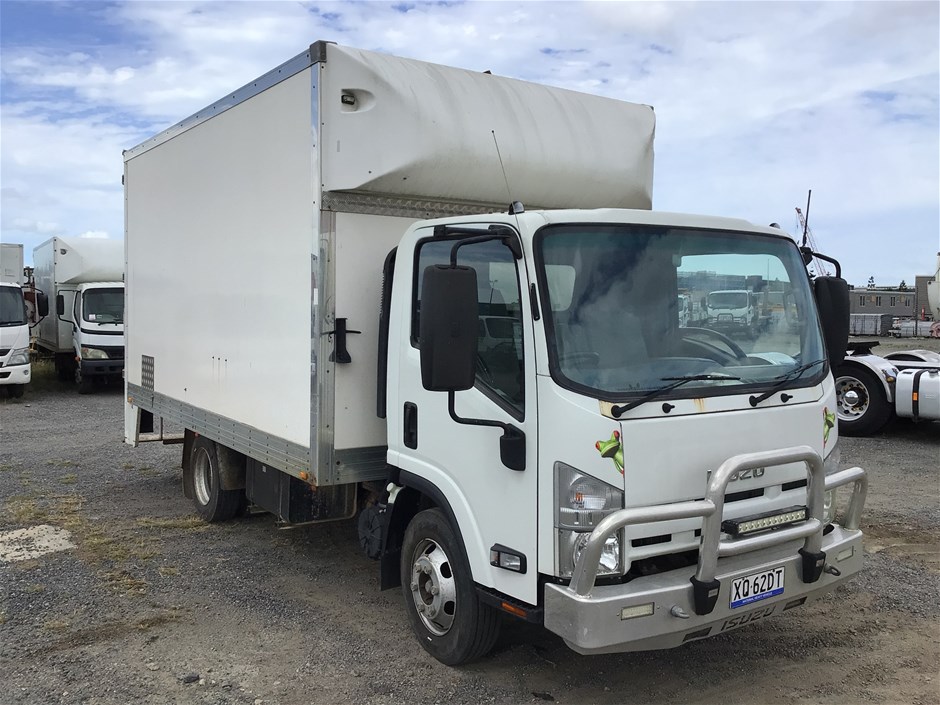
x=515, y=207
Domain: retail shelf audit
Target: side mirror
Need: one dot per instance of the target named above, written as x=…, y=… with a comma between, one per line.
x=449, y=328
x=59, y=305
x=832, y=301
x=42, y=304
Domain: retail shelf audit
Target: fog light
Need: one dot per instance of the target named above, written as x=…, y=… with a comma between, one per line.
x=609, y=563
x=764, y=522
x=638, y=611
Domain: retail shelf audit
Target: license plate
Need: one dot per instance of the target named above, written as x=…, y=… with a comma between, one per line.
x=756, y=586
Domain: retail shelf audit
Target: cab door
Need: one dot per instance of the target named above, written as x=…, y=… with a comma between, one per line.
x=493, y=505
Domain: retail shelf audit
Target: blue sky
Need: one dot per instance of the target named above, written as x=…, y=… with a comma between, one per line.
x=756, y=102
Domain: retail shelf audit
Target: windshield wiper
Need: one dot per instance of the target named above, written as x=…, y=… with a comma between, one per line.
x=783, y=381
x=618, y=411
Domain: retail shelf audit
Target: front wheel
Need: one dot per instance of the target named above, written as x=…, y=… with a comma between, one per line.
x=861, y=403
x=16, y=390
x=441, y=600
x=86, y=385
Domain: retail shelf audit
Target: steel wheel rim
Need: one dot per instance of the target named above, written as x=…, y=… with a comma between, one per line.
x=847, y=410
x=202, y=476
x=433, y=587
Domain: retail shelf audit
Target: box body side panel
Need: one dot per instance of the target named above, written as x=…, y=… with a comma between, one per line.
x=51, y=333
x=11, y=263
x=362, y=243
x=220, y=232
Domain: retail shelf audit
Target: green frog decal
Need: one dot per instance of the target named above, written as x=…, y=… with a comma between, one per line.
x=612, y=449
x=829, y=421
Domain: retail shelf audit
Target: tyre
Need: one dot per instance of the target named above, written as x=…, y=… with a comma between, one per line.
x=64, y=366
x=86, y=385
x=16, y=390
x=861, y=403
x=441, y=600
x=212, y=502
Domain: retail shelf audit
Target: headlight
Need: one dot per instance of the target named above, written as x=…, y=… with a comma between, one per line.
x=19, y=356
x=831, y=465
x=93, y=354
x=581, y=502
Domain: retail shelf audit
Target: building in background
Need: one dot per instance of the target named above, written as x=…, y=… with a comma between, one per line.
x=894, y=301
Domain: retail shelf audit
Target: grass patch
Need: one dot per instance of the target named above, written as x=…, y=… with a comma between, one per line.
x=55, y=624
x=69, y=479
x=44, y=377
x=25, y=509
x=35, y=588
x=168, y=571
x=5, y=467
x=3, y=618
x=123, y=581
x=128, y=466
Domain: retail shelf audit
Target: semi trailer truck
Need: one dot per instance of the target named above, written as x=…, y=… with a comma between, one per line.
x=501, y=395
x=82, y=279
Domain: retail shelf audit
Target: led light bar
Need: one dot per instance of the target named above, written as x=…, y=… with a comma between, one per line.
x=638, y=611
x=764, y=522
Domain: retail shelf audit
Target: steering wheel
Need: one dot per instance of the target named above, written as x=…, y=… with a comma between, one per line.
x=736, y=349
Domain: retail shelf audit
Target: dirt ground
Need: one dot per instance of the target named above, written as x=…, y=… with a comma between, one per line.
x=150, y=606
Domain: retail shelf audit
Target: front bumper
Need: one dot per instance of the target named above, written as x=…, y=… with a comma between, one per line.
x=102, y=368
x=593, y=625
x=692, y=604
x=16, y=374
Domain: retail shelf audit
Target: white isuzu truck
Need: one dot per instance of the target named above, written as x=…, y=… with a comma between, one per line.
x=85, y=335
x=15, y=369
x=504, y=396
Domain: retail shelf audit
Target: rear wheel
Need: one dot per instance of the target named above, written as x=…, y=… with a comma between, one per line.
x=861, y=403
x=212, y=502
x=441, y=600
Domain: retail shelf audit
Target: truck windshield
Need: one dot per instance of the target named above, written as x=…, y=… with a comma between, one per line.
x=103, y=305
x=727, y=299
x=615, y=329
x=12, y=307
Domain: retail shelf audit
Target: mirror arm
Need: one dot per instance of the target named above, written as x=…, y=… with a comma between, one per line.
x=511, y=445
x=471, y=422
x=809, y=255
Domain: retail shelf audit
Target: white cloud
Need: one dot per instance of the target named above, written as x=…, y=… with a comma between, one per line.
x=95, y=235
x=755, y=102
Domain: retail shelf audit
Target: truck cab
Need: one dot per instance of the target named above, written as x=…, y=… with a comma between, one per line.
x=15, y=370
x=84, y=277
x=615, y=456
x=732, y=311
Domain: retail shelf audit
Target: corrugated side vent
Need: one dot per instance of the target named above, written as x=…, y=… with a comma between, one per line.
x=146, y=372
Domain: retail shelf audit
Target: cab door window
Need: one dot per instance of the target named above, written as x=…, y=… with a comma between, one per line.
x=500, y=366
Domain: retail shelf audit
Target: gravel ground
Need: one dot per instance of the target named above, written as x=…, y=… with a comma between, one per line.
x=153, y=607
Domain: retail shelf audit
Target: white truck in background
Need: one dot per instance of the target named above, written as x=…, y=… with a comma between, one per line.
x=734, y=311
x=15, y=368
x=83, y=277
x=504, y=397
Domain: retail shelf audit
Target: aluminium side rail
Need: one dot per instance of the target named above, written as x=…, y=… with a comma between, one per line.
x=705, y=587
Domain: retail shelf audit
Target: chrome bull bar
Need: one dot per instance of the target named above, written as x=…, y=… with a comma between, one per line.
x=704, y=585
